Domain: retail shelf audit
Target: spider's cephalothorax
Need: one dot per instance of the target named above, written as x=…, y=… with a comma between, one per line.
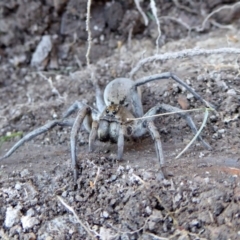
x=121, y=100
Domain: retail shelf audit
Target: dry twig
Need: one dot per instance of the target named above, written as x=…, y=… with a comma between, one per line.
x=183, y=54
x=49, y=80
x=154, y=12
x=89, y=31
x=141, y=12
x=96, y=178
x=197, y=134
x=69, y=208
x=164, y=114
x=185, y=8
x=3, y=235
x=230, y=7
x=178, y=20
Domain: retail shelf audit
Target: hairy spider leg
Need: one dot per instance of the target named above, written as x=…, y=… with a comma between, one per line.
x=37, y=132
x=189, y=120
x=160, y=107
x=85, y=111
x=120, y=142
x=99, y=99
x=166, y=75
x=158, y=145
x=77, y=106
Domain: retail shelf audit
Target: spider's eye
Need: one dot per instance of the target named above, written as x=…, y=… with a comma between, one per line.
x=114, y=112
x=107, y=111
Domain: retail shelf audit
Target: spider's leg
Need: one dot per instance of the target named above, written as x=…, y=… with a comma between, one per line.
x=166, y=75
x=73, y=108
x=99, y=99
x=120, y=142
x=188, y=119
x=139, y=125
x=85, y=111
x=158, y=145
x=77, y=106
x=93, y=135
x=37, y=132
x=136, y=102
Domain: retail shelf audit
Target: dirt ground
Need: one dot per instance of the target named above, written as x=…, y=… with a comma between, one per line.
x=124, y=199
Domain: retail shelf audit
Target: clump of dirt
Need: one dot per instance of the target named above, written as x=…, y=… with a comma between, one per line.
x=125, y=199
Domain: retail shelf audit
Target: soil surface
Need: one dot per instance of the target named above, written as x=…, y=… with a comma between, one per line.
x=43, y=71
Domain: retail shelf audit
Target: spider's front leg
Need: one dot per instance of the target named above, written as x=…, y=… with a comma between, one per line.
x=158, y=146
x=120, y=142
x=37, y=132
x=141, y=127
x=83, y=115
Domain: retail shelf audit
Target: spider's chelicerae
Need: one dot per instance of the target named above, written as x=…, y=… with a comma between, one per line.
x=120, y=101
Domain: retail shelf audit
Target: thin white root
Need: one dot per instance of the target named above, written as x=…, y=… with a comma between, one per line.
x=3, y=235
x=168, y=113
x=89, y=31
x=178, y=20
x=180, y=6
x=154, y=12
x=197, y=134
x=230, y=7
x=154, y=236
x=97, y=175
x=69, y=208
x=141, y=12
x=49, y=80
x=183, y=54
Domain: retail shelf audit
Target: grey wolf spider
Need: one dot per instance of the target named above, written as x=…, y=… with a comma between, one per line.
x=121, y=100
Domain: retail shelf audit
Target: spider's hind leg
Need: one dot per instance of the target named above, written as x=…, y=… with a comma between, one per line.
x=166, y=75
x=189, y=120
x=168, y=108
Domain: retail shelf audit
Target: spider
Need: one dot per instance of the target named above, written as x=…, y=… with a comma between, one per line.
x=120, y=102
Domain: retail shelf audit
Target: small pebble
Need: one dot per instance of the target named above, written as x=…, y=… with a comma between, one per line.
x=18, y=186
x=105, y=214
x=24, y=173
x=231, y=92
